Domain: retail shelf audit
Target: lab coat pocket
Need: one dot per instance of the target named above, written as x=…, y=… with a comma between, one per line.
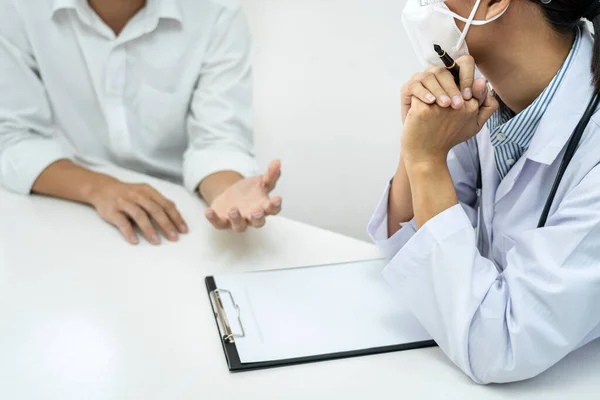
x=162, y=117
x=506, y=245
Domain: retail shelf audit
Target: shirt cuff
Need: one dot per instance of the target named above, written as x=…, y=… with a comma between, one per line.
x=415, y=253
x=199, y=164
x=22, y=163
x=378, y=229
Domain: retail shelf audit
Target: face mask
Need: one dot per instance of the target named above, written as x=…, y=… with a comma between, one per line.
x=434, y=23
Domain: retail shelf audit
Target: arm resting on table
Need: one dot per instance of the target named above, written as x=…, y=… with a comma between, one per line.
x=66, y=180
x=514, y=324
x=27, y=146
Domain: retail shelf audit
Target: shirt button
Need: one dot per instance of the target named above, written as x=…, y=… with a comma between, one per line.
x=501, y=136
x=510, y=162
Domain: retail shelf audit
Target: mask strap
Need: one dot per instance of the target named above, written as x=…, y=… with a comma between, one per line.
x=463, y=35
x=476, y=22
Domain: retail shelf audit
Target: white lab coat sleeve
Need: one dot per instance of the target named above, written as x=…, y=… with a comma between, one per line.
x=463, y=169
x=220, y=120
x=509, y=326
x=27, y=146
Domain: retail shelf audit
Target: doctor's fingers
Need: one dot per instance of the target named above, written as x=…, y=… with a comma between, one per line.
x=415, y=88
x=467, y=75
x=487, y=109
x=480, y=90
x=425, y=87
x=445, y=79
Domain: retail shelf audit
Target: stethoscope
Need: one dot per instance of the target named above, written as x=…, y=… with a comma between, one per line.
x=569, y=153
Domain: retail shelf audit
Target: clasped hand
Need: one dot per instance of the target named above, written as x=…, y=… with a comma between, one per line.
x=438, y=114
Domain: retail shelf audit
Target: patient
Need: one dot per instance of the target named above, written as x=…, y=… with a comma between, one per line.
x=162, y=87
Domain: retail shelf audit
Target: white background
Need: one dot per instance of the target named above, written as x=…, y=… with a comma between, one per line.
x=328, y=75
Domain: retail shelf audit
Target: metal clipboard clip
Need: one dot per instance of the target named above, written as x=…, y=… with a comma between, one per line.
x=223, y=321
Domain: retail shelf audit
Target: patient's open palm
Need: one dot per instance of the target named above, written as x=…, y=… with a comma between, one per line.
x=247, y=202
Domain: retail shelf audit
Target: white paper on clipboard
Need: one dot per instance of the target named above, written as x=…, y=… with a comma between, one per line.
x=317, y=310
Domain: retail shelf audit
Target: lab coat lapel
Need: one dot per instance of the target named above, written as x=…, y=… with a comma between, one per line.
x=561, y=117
x=490, y=182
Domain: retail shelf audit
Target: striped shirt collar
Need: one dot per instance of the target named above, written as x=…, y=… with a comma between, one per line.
x=511, y=134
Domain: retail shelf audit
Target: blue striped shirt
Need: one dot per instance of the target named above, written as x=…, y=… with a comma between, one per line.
x=511, y=134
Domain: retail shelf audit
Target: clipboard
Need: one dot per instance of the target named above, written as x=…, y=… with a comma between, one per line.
x=230, y=328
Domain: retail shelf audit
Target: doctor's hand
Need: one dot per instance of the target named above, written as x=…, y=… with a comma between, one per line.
x=431, y=131
x=246, y=203
x=436, y=86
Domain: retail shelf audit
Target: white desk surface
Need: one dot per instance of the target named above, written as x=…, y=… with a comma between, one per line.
x=85, y=316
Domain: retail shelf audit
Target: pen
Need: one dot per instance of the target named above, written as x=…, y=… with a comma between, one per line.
x=449, y=63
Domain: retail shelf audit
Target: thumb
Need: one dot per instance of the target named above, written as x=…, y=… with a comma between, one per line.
x=480, y=90
x=487, y=109
x=270, y=178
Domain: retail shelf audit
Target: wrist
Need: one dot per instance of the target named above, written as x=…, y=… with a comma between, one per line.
x=418, y=150
x=91, y=190
x=214, y=185
x=426, y=167
x=432, y=189
x=427, y=174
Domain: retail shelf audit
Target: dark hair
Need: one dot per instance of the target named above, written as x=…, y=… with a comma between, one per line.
x=564, y=16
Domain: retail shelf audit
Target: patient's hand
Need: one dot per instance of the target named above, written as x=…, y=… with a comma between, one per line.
x=246, y=202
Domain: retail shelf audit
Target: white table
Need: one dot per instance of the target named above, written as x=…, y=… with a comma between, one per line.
x=85, y=316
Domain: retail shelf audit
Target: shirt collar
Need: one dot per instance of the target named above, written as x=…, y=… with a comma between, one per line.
x=568, y=106
x=63, y=4
x=520, y=129
x=168, y=9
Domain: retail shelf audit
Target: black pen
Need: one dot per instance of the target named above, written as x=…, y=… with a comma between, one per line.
x=450, y=64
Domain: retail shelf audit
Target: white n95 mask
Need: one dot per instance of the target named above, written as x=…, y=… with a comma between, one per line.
x=429, y=22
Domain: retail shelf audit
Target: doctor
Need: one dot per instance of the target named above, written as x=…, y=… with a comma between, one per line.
x=511, y=305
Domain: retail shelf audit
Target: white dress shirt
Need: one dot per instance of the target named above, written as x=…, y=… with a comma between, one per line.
x=529, y=297
x=169, y=96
